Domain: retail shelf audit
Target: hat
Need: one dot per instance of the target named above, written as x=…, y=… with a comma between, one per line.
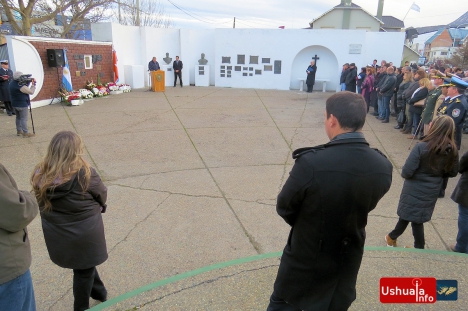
x=5, y=61
x=438, y=75
x=446, y=83
x=17, y=75
x=458, y=83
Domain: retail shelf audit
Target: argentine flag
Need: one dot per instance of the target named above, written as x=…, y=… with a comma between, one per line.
x=66, y=76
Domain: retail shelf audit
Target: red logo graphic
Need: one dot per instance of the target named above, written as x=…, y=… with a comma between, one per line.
x=408, y=290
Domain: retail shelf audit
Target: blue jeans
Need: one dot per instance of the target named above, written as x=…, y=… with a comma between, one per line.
x=381, y=106
x=359, y=90
x=343, y=86
x=416, y=119
x=386, y=107
x=18, y=294
x=21, y=119
x=462, y=236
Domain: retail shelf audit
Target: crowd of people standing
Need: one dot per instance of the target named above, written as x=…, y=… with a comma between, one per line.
x=429, y=105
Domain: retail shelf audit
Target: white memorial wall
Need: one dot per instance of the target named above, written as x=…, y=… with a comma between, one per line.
x=253, y=58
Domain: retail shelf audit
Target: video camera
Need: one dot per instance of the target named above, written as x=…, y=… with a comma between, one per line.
x=25, y=79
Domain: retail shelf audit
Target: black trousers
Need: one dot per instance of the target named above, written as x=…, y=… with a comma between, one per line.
x=177, y=74
x=418, y=232
x=278, y=304
x=309, y=88
x=9, y=108
x=86, y=283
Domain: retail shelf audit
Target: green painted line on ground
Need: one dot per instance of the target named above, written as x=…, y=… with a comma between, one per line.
x=240, y=261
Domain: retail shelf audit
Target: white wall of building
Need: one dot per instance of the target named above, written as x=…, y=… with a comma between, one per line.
x=294, y=48
x=358, y=20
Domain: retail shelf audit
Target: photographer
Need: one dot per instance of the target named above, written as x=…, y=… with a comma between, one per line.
x=19, y=93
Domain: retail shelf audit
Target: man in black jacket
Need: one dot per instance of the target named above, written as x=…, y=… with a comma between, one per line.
x=326, y=200
x=344, y=73
x=351, y=78
x=177, y=66
x=386, y=90
x=381, y=81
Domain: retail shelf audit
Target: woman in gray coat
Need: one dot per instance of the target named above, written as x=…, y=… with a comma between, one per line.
x=429, y=162
x=71, y=199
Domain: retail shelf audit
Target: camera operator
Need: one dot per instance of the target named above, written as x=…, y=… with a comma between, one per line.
x=5, y=77
x=19, y=93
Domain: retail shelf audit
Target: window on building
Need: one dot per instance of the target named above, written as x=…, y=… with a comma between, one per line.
x=443, y=53
x=88, y=61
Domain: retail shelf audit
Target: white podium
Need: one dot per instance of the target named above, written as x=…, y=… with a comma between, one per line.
x=202, y=75
x=169, y=75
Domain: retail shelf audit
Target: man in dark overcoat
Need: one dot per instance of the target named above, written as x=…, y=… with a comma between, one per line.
x=310, y=81
x=351, y=78
x=326, y=200
x=5, y=77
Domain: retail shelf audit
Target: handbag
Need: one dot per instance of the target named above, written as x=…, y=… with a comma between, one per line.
x=401, y=117
x=419, y=103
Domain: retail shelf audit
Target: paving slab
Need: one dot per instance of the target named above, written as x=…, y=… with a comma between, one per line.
x=193, y=174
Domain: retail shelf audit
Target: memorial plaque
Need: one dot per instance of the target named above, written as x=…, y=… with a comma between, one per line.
x=98, y=67
x=244, y=74
x=241, y=59
x=226, y=59
x=222, y=75
x=76, y=56
x=277, y=67
x=258, y=71
x=223, y=71
x=80, y=65
x=228, y=76
x=169, y=69
x=246, y=68
x=99, y=57
x=250, y=74
x=223, y=67
x=101, y=74
x=237, y=68
x=201, y=68
x=265, y=60
x=94, y=58
x=229, y=67
x=201, y=73
x=253, y=59
x=355, y=48
x=83, y=73
x=78, y=73
x=250, y=68
x=81, y=56
x=268, y=68
x=229, y=72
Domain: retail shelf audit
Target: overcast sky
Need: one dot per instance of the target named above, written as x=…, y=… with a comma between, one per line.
x=298, y=13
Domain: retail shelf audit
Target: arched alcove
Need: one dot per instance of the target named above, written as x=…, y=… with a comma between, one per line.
x=327, y=67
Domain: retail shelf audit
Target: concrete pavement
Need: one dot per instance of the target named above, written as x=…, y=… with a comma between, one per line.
x=193, y=175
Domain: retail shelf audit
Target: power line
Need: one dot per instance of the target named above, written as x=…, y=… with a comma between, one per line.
x=191, y=14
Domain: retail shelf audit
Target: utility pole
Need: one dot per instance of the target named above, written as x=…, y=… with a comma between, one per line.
x=137, y=13
x=234, y=25
x=120, y=20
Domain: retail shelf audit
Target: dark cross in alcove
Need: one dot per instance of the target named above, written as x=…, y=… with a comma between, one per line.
x=315, y=58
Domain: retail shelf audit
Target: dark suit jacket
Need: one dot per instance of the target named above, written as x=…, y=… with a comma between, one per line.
x=326, y=200
x=460, y=194
x=177, y=66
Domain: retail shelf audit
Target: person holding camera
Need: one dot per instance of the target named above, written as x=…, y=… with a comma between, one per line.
x=20, y=88
x=5, y=76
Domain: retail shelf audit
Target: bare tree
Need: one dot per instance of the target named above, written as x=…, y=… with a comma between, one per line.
x=460, y=57
x=24, y=14
x=152, y=14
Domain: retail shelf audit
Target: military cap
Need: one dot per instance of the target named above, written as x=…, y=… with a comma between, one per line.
x=446, y=83
x=458, y=83
x=437, y=75
x=5, y=61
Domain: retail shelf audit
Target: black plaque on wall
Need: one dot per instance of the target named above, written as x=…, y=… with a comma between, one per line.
x=226, y=59
x=241, y=59
x=277, y=67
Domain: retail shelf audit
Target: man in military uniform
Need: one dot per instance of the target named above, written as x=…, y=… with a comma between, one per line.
x=5, y=76
x=455, y=105
x=435, y=91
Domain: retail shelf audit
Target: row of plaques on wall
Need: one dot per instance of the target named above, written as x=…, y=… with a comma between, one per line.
x=241, y=59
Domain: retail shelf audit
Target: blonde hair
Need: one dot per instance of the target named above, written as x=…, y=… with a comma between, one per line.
x=440, y=140
x=409, y=77
x=62, y=161
x=425, y=82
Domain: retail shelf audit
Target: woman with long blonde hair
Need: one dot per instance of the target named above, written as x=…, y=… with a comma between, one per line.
x=420, y=94
x=431, y=160
x=71, y=198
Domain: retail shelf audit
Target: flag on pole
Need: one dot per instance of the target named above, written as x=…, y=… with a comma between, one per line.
x=66, y=76
x=116, y=70
x=415, y=7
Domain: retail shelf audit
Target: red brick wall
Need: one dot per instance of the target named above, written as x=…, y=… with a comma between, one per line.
x=444, y=40
x=51, y=78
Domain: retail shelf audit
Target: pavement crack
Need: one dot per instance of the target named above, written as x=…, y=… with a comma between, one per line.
x=137, y=224
x=169, y=192
x=203, y=283
x=60, y=298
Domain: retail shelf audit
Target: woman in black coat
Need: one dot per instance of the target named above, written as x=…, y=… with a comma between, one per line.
x=310, y=81
x=401, y=102
x=71, y=199
x=460, y=196
x=429, y=162
x=399, y=79
x=420, y=94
